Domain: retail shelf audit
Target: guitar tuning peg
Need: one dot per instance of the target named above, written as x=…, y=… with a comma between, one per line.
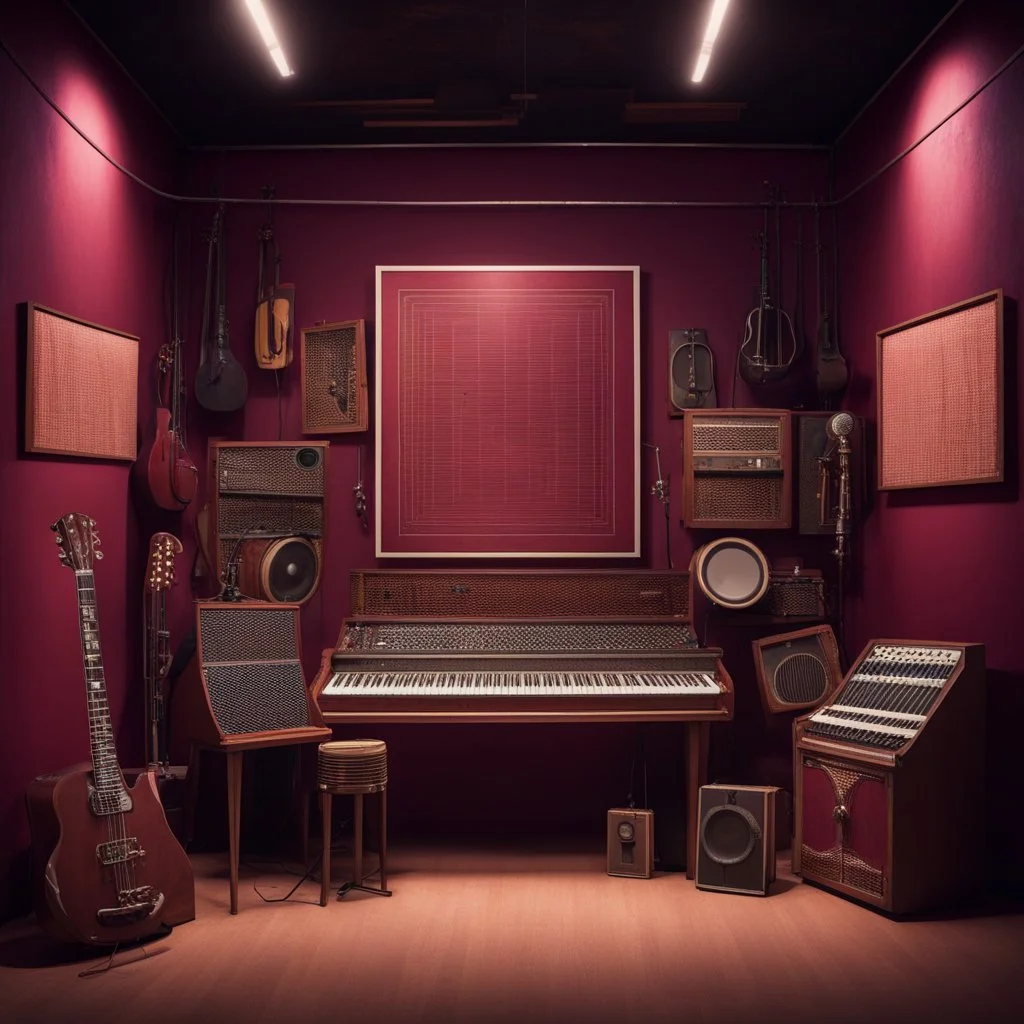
x=99, y=554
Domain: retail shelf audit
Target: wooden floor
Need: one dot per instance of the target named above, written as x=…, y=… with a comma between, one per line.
x=498, y=934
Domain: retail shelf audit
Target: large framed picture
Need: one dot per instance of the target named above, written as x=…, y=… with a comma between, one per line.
x=81, y=387
x=508, y=412
x=940, y=397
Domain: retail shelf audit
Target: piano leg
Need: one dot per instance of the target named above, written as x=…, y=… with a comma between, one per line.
x=235, y=759
x=697, y=739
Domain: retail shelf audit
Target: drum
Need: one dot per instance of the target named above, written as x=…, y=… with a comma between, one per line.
x=731, y=572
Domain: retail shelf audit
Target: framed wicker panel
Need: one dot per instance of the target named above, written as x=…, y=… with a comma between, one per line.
x=333, y=368
x=508, y=412
x=81, y=388
x=940, y=397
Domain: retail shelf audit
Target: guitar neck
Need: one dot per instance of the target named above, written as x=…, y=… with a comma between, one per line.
x=106, y=770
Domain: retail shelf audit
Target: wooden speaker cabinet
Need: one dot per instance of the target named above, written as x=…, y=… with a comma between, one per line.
x=267, y=516
x=798, y=670
x=736, y=841
x=334, y=387
x=737, y=469
x=631, y=842
x=889, y=778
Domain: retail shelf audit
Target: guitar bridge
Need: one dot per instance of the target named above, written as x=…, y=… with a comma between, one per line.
x=120, y=851
x=133, y=905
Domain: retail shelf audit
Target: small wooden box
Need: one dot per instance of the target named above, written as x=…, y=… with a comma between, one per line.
x=631, y=842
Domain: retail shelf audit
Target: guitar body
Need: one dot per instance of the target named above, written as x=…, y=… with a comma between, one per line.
x=830, y=366
x=72, y=888
x=171, y=475
x=221, y=383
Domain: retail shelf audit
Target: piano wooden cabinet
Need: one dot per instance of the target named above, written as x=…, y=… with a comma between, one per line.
x=632, y=658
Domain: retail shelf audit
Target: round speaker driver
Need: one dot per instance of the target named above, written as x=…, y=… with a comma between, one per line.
x=732, y=572
x=290, y=570
x=728, y=834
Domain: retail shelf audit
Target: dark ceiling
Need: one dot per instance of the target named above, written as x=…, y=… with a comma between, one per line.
x=470, y=71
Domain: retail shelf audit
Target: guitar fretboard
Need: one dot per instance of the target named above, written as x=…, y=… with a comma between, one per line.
x=110, y=792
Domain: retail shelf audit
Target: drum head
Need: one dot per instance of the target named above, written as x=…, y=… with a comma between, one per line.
x=732, y=572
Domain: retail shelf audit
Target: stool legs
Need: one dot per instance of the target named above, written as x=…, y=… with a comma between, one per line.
x=325, y=855
x=383, y=836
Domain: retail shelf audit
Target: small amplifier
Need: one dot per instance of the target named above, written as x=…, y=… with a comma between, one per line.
x=631, y=842
x=736, y=468
x=736, y=839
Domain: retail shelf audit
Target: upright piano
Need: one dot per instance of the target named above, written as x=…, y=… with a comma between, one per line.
x=527, y=646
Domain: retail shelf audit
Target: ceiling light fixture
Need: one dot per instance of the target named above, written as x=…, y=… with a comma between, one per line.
x=259, y=15
x=718, y=9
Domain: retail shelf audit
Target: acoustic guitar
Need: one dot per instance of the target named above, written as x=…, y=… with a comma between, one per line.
x=171, y=476
x=107, y=867
x=221, y=383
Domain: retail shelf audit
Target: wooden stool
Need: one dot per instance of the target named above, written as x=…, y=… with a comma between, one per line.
x=355, y=767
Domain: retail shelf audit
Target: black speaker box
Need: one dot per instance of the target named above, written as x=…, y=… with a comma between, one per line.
x=736, y=839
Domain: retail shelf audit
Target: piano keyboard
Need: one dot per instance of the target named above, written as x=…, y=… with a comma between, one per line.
x=519, y=684
x=884, y=703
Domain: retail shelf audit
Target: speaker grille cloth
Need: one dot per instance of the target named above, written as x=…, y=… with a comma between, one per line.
x=257, y=697
x=82, y=388
x=740, y=435
x=800, y=679
x=510, y=595
x=737, y=498
x=330, y=360
x=513, y=637
x=292, y=571
x=729, y=834
x=939, y=394
x=269, y=470
x=268, y=517
x=247, y=634
x=795, y=595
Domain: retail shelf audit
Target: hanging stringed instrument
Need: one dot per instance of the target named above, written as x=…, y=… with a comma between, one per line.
x=830, y=366
x=769, y=344
x=107, y=867
x=171, y=476
x=221, y=384
x=275, y=303
x=156, y=643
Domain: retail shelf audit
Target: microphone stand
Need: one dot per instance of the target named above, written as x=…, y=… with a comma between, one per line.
x=842, y=532
x=229, y=581
x=660, y=491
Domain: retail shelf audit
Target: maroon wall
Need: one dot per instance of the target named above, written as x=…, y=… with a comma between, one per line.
x=80, y=237
x=942, y=225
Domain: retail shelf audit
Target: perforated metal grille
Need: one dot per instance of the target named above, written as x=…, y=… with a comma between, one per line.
x=514, y=637
x=511, y=595
x=268, y=517
x=268, y=469
x=801, y=678
x=795, y=595
x=257, y=697
x=334, y=392
x=737, y=435
x=236, y=633
x=744, y=498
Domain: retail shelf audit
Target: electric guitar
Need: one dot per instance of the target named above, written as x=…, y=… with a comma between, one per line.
x=221, y=383
x=107, y=868
x=163, y=547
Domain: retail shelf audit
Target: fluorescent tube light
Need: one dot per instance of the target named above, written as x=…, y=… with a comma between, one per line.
x=718, y=9
x=259, y=15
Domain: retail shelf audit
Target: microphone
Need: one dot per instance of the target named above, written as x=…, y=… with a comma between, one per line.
x=840, y=425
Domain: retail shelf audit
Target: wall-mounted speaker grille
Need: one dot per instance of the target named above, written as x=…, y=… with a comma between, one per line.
x=245, y=633
x=736, y=468
x=266, y=491
x=334, y=388
x=797, y=670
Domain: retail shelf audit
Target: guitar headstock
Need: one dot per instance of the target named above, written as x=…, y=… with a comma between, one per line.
x=162, y=549
x=78, y=541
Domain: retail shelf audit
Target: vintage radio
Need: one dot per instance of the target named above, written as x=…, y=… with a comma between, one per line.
x=631, y=842
x=797, y=670
x=889, y=778
x=267, y=516
x=797, y=594
x=736, y=847
x=333, y=369
x=736, y=468
x=818, y=480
